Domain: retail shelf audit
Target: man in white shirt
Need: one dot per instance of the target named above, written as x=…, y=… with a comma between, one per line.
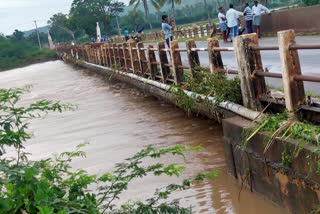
x=223, y=24
x=233, y=22
x=256, y=11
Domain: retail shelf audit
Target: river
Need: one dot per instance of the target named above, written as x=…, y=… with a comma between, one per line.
x=118, y=121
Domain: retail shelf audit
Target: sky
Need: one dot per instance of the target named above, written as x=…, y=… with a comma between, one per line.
x=21, y=14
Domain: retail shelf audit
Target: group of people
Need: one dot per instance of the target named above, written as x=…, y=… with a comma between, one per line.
x=230, y=23
x=136, y=37
x=103, y=38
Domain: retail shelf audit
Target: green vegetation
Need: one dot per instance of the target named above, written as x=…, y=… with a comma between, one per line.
x=51, y=186
x=17, y=51
x=283, y=127
x=209, y=84
x=311, y=2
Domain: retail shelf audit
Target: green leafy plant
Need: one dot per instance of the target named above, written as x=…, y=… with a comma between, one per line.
x=52, y=186
x=209, y=84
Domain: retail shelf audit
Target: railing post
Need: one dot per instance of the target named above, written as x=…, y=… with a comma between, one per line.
x=215, y=59
x=116, y=55
x=152, y=60
x=184, y=33
x=106, y=50
x=249, y=61
x=189, y=32
x=134, y=56
x=195, y=31
x=142, y=58
x=126, y=56
x=176, y=62
x=193, y=56
x=99, y=55
x=165, y=70
x=121, y=58
x=201, y=31
x=102, y=55
x=111, y=58
x=293, y=90
x=208, y=29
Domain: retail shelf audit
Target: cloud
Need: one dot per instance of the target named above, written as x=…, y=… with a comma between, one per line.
x=20, y=14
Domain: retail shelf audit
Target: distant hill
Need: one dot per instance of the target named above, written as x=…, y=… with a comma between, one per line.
x=44, y=29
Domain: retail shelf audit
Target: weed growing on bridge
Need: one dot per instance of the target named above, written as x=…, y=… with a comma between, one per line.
x=209, y=84
x=51, y=186
x=281, y=127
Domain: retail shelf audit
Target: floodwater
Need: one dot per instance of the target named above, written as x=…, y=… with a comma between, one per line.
x=118, y=121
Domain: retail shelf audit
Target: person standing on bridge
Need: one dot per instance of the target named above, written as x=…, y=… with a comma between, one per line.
x=233, y=22
x=256, y=11
x=223, y=24
x=167, y=29
x=126, y=34
x=248, y=17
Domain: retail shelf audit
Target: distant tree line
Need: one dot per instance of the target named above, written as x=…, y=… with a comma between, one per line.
x=17, y=50
x=80, y=23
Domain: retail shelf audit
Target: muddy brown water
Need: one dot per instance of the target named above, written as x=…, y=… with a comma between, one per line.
x=118, y=121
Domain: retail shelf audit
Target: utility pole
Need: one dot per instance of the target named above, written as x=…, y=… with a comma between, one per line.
x=35, y=22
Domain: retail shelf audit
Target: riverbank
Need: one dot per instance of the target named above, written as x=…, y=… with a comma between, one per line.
x=20, y=54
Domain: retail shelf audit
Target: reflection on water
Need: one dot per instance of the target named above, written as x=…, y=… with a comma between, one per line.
x=118, y=121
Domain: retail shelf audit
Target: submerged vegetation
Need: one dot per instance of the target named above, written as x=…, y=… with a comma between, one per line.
x=203, y=82
x=51, y=186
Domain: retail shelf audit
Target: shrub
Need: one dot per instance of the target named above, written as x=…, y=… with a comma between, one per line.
x=51, y=186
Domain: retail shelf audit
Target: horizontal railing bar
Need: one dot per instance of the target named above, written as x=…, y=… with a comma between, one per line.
x=153, y=49
x=295, y=47
x=155, y=63
x=183, y=67
x=268, y=74
x=167, y=65
x=228, y=71
x=199, y=49
x=306, y=78
x=181, y=50
x=264, y=48
x=223, y=48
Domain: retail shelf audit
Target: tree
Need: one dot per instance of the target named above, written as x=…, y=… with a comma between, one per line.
x=172, y=2
x=60, y=28
x=136, y=3
x=311, y=2
x=118, y=7
x=133, y=22
x=207, y=8
x=85, y=13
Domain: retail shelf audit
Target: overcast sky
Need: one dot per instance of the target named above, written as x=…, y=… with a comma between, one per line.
x=20, y=14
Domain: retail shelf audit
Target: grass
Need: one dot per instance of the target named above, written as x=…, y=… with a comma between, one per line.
x=275, y=88
x=312, y=94
x=284, y=127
